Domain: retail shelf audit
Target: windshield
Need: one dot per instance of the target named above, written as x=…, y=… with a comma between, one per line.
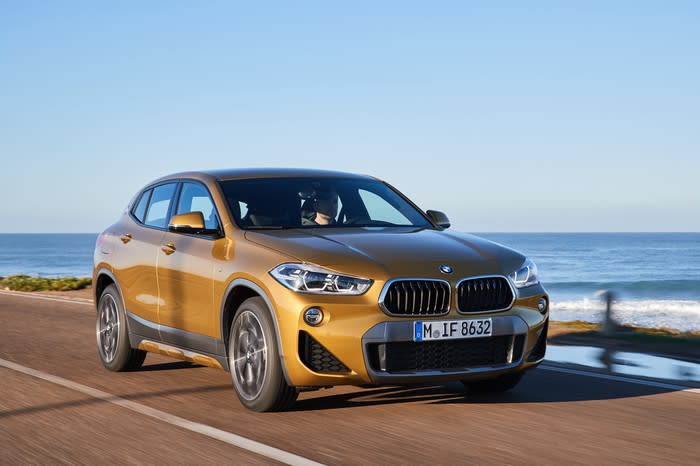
x=276, y=203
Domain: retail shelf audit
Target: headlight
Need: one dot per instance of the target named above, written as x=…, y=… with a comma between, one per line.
x=307, y=278
x=526, y=275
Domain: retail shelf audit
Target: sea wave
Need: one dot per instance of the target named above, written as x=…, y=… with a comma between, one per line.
x=674, y=289
x=683, y=315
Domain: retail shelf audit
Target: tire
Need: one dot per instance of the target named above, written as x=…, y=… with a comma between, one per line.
x=256, y=368
x=499, y=384
x=112, y=335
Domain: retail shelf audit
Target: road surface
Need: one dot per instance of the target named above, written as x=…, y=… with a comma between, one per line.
x=58, y=404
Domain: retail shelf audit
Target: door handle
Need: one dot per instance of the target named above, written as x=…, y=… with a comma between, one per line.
x=168, y=248
x=125, y=238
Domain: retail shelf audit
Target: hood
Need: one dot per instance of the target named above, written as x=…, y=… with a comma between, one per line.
x=392, y=252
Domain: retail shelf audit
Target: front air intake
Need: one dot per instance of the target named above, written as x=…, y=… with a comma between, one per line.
x=316, y=357
x=540, y=348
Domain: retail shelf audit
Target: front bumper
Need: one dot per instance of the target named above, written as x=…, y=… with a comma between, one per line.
x=341, y=348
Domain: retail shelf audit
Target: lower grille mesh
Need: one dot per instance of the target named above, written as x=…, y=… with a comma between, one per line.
x=451, y=355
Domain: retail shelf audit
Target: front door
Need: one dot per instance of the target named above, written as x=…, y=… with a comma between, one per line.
x=186, y=277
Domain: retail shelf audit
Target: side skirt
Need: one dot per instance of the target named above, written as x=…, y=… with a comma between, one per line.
x=179, y=353
x=179, y=344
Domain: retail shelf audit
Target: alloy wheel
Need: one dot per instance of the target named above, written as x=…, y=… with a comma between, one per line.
x=108, y=327
x=248, y=355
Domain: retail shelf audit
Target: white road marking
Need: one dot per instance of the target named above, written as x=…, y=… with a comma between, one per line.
x=218, y=434
x=617, y=378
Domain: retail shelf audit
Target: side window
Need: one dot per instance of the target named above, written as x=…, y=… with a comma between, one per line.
x=195, y=198
x=380, y=210
x=139, y=209
x=157, y=215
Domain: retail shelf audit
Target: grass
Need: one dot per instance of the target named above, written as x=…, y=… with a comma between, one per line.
x=27, y=283
x=667, y=341
x=579, y=326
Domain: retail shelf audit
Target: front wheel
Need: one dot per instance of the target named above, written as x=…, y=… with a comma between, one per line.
x=113, y=345
x=256, y=368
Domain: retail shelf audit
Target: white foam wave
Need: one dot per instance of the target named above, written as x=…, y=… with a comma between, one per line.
x=680, y=314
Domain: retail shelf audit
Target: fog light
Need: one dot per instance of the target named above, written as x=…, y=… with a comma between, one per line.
x=542, y=305
x=313, y=316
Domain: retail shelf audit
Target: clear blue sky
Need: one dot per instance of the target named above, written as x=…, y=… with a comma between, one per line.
x=509, y=116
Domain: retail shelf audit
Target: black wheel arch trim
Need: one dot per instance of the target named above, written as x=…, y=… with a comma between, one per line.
x=110, y=274
x=257, y=289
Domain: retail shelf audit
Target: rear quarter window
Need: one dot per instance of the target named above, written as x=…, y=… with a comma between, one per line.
x=139, y=210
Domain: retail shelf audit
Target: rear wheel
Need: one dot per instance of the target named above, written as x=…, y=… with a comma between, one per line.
x=256, y=368
x=113, y=345
x=502, y=383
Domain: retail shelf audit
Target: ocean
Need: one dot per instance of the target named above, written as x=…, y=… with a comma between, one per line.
x=655, y=276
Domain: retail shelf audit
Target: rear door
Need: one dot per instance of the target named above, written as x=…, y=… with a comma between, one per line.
x=141, y=237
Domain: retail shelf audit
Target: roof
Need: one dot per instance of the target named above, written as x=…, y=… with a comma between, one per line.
x=238, y=173
x=243, y=173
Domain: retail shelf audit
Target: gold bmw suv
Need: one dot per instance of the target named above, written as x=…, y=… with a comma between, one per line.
x=299, y=279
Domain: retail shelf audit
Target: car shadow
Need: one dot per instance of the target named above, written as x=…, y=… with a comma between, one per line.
x=537, y=386
x=169, y=366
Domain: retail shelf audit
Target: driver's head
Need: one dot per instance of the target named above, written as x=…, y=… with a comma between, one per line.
x=326, y=203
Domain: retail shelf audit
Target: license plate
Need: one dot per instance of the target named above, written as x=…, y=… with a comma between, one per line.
x=428, y=330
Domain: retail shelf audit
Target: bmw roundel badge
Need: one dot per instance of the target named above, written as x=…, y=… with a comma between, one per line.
x=445, y=269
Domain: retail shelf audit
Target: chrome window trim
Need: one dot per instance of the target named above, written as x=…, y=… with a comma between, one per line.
x=171, y=210
x=462, y=280
x=390, y=282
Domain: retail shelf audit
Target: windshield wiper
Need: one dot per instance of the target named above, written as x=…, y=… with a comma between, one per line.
x=265, y=227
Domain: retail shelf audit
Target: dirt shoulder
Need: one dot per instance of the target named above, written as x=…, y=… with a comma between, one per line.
x=659, y=341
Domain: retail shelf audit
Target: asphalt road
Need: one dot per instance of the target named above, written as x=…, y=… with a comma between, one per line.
x=58, y=404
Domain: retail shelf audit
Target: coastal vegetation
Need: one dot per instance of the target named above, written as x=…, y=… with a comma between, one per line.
x=28, y=283
x=668, y=341
x=582, y=326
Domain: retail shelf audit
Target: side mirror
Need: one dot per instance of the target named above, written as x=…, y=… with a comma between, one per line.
x=191, y=222
x=439, y=218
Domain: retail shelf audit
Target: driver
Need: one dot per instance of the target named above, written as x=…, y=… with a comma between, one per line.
x=325, y=208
